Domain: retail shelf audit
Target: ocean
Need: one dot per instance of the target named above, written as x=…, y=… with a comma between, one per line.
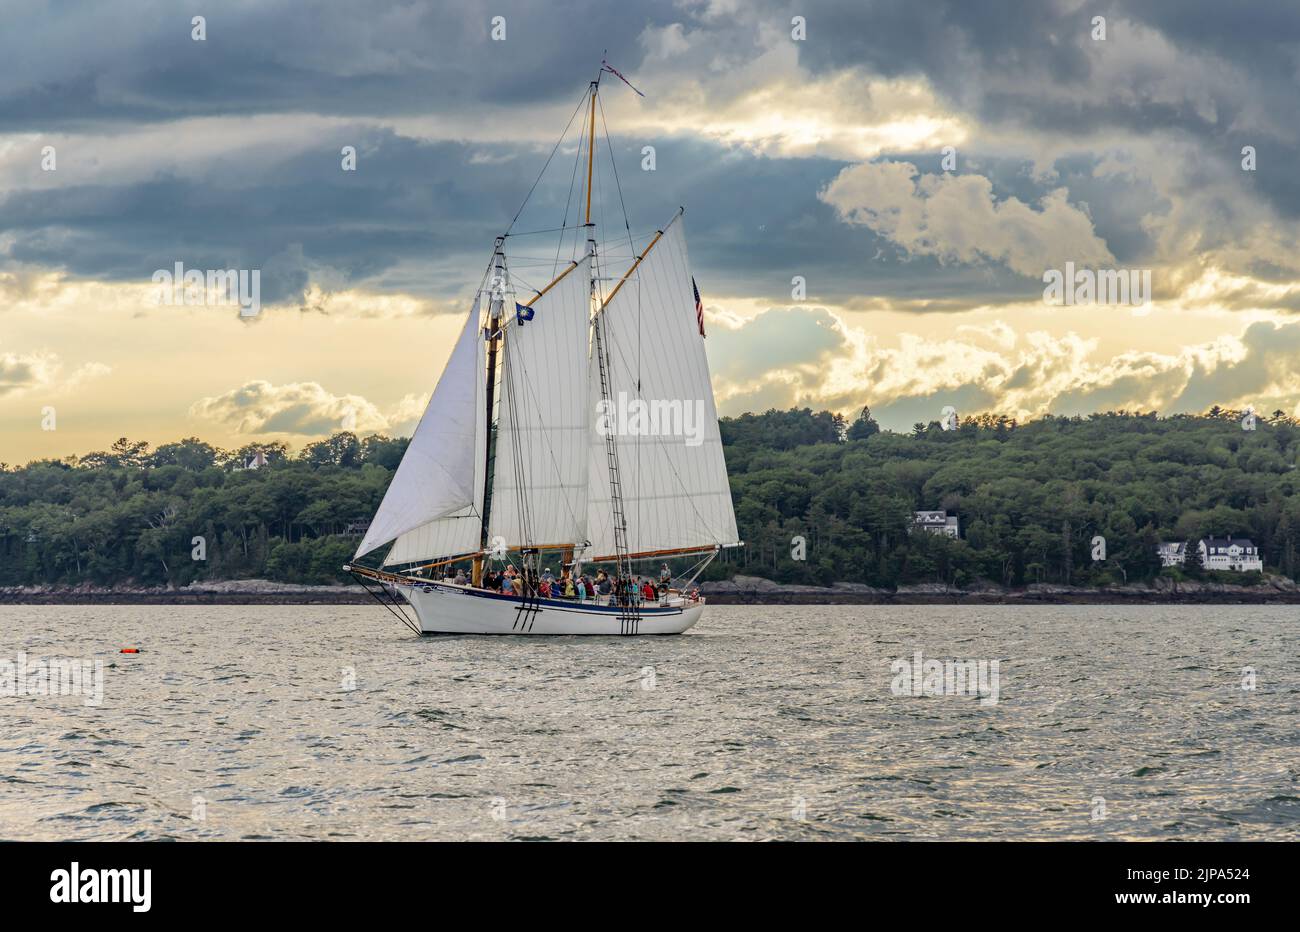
x=778, y=722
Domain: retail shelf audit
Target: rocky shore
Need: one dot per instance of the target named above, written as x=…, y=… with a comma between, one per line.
x=741, y=590
x=225, y=592
x=754, y=590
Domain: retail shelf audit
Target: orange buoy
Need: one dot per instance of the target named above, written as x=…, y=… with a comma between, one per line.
x=129, y=650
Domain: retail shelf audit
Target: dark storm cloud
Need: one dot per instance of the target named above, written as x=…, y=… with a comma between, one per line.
x=1023, y=64
x=755, y=222
x=410, y=200
x=960, y=45
x=134, y=60
x=300, y=219
x=1264, y=34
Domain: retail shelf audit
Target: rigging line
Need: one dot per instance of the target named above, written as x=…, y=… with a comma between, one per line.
x=516, y=449
x=600, y=186
x=555, y=149
x=622, y=499
x=402, y=617
x=523, y=493
x=505, y=422
x=532, y=258
x=538, y=232
x=609, y=147
x=486, y=272
x=516, y=295
x=517, y=458
x=568, y=202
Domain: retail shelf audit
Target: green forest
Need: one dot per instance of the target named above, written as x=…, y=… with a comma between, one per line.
x=1030, y=497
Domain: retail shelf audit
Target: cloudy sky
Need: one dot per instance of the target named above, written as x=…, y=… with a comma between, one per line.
x=821, y=157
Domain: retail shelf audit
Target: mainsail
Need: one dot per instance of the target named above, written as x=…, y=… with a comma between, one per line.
x=437, y=489
x=539, y=489
x=671, y=472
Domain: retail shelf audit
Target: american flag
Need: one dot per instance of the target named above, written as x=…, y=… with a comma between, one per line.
x=699, y=305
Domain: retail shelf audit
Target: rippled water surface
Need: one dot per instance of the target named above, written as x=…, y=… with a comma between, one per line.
x=761, y=723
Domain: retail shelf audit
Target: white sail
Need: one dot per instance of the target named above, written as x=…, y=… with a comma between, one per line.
x=661, y=411
x=455, y=534
x=539, y=489
x=441, y=472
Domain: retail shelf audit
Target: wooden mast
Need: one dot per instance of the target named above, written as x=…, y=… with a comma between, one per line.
x=591, y=152
x=495, y=313
x=566, y=554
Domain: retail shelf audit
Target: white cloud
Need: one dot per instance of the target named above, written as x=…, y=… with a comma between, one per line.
x=42, y=372
x=755, y=94
x=958, y=219
x=991, y=367
x=299, y=408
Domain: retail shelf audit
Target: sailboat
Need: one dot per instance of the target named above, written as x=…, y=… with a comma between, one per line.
x=573, y=424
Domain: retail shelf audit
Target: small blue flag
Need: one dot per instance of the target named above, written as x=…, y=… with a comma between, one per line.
x=522, y=313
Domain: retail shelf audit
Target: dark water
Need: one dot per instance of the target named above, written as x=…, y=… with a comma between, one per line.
x=761, y=723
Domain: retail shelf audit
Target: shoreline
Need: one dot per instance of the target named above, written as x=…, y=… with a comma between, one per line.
x=742, y=590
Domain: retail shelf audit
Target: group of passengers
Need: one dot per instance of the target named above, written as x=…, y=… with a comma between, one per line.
x=603, y=587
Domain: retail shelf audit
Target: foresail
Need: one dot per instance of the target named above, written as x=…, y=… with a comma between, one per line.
x=441, y=472
x=455, y=534
x=662, y=414
x=539, y=491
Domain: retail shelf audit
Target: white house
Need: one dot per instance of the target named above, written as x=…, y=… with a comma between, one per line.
x=1172, y=553
x=1217, y=553
x=1231, y=553
x=936, y=522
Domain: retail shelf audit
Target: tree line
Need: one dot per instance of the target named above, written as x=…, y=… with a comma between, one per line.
x=818, y=500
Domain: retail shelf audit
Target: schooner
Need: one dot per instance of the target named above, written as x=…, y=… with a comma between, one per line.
x=518, y=462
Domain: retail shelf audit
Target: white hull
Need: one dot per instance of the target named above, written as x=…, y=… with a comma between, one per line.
x=444, y=608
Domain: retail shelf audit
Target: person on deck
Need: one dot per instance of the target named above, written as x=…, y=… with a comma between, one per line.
x=547, y=575
x=460, y=577
x=648, y=591
x=665, y=577
x=544, y=590
x=569, y=592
